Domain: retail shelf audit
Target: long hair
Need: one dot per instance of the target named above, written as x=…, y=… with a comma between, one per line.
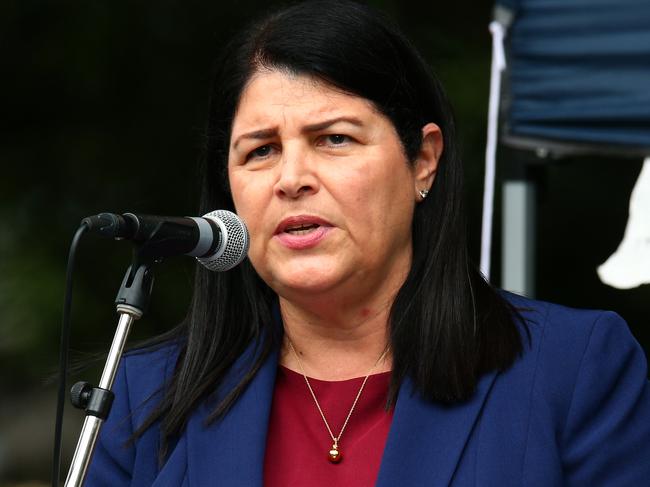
x=447, y=325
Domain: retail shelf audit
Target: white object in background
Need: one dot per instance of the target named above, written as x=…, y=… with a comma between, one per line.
x=629, y=266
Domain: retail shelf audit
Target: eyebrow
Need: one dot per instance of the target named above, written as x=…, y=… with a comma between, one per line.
x=268, y=133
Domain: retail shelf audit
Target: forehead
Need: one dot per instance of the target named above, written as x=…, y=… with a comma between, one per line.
x=281, y=97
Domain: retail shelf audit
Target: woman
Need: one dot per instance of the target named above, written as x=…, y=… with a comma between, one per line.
x=358, y=346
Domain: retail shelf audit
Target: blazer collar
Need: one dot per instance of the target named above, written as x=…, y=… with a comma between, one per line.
x=231, y=451
x=424, y=445
x=426, y=440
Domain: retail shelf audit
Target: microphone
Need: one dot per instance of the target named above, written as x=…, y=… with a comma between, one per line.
x=219, y=240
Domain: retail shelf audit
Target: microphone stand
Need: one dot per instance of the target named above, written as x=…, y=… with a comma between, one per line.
x=131, y=302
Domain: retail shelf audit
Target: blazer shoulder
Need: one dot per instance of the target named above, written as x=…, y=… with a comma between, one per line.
x=146, y=371
x=560, y=345
x=140, y=380
x=587, y=376
x=550, y=322
x=152, y=361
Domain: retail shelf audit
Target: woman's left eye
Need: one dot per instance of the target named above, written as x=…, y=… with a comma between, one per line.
x=335, y=139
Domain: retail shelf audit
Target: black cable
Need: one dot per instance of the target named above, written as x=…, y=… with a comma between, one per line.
x=63, y=356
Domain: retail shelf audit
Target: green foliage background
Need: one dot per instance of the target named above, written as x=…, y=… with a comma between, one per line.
x=103, y=104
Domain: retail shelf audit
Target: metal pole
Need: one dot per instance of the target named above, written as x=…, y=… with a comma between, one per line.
x=93, y=424
x=519, y=237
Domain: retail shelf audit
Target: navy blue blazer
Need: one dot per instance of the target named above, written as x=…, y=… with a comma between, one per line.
x=573, y=410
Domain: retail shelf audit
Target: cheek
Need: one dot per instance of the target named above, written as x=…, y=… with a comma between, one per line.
x=251, y=203
x=394, y=205
x=377, y=207
x=386, y=185
x=244, y=193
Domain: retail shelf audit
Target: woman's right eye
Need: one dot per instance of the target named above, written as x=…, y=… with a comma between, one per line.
x=260, y=153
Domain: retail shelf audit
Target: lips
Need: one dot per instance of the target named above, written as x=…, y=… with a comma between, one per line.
x=301, y=224
x=302, y=231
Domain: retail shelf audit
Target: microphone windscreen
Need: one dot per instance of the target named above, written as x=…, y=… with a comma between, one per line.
x=234, y=241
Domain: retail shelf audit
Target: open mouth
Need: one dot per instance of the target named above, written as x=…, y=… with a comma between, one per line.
x=300, y=225
x=301, y=229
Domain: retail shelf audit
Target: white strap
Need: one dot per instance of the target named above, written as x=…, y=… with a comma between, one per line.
x=498, y=65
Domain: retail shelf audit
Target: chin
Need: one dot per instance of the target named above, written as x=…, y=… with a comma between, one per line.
x=302, y=272
x=304, y=283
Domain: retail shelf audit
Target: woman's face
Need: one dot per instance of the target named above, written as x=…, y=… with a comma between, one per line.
x=323, y=184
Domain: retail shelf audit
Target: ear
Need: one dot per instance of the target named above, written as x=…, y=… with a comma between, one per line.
x=426, y=163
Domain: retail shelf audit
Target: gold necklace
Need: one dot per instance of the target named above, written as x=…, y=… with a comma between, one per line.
x=334, y=455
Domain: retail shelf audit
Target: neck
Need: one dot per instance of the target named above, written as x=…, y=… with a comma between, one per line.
x=335, y=343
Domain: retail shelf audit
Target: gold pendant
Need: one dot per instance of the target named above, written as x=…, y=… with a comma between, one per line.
x=335, y=456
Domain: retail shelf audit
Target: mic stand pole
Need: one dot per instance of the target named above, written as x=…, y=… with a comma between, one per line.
x=132, y=301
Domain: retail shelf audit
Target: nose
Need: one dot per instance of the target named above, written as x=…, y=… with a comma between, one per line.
x=296, y=177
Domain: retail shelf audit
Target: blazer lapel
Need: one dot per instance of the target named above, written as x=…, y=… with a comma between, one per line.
x=230, y=452
x=426, y=439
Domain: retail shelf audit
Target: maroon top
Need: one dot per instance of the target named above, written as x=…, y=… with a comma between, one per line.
x=298, y=442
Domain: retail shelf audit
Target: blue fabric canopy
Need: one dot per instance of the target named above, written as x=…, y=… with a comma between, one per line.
x=579, y=72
